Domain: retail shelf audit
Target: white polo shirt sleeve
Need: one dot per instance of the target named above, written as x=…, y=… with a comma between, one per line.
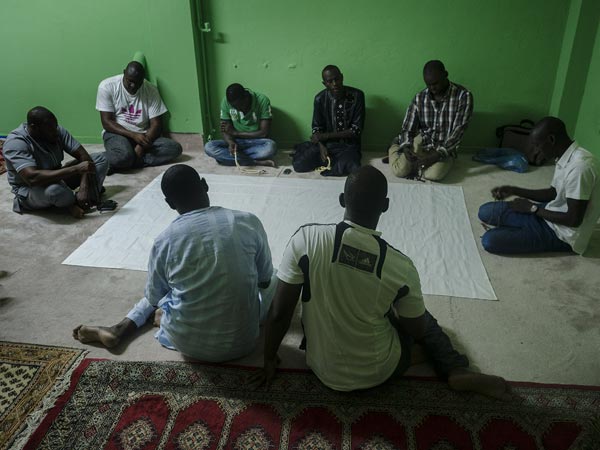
x=410, y=305
x=580, y=182
x=289, y=271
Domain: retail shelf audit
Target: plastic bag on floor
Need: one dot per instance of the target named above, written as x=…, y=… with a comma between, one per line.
x=506, y=158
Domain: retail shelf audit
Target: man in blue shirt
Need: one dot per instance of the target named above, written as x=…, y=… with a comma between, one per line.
x=204, y=275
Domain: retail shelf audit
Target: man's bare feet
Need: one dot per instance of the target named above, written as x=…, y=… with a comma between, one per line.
x=489, y=385
x=105, y=335
x=265, y=163
x=76, y=211
x=157, y=315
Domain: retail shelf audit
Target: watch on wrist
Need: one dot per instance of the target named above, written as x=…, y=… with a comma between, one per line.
x=534, y=208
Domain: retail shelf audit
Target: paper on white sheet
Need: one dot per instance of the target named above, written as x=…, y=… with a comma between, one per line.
x=427, y=223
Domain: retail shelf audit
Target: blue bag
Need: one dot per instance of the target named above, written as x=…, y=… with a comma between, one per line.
x=506, y=158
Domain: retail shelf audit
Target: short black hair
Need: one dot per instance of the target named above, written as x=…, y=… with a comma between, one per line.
x=550, y=125
x=365, y=190
x=135, y=70
x=180, y=183
x=235, y=92
x=331, y=68
x=435, y=65
x=39, y=115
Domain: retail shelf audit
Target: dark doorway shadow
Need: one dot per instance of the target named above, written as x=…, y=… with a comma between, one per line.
x=285, y=130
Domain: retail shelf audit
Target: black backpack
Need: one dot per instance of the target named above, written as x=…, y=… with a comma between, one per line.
x=517, y=138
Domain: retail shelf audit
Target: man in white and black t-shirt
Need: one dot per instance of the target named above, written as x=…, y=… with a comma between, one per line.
x=362, y=306
x=131, y=111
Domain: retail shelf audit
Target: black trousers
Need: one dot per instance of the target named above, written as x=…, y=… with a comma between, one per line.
x=345, y=158
x=437, y=345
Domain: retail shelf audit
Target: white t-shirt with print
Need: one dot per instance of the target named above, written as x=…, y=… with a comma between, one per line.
x=351, y=277
x=132, y=112
x=576, y=176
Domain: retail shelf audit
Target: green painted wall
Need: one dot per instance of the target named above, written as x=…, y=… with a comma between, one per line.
x=505, y=52
x=520, y=59
x=573, y=67
x=56, y=52
x=587, y=131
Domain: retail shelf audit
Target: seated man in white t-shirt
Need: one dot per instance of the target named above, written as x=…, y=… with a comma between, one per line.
x=560, y=218
x=362, y=306
x=131, y=112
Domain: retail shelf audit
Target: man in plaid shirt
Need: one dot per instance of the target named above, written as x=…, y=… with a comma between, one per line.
x=433, y=127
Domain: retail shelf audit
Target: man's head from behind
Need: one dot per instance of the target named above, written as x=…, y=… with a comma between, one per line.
x=436, y=78
x=42, y=124
x=548, y=140
x=365, y=196
x=238, y=97
x=333, y=80
x=183, y=189
x=133, y=77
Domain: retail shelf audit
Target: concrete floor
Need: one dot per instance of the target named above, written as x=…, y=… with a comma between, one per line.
x=543, y=328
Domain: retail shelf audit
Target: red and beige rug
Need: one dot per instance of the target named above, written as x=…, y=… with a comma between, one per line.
x=2, y=161
x=31, y=379
x=144, y=405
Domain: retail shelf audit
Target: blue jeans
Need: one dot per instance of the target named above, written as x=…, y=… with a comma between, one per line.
x=249, y=150
x=517, y=232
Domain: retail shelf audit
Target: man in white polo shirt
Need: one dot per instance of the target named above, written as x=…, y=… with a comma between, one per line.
x=131, y=111
x=362, y=306
x=560, y=218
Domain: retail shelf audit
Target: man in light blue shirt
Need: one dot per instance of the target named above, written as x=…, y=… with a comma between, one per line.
x=204, y=275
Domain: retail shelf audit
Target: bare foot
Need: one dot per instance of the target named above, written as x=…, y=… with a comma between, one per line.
x=157, y=315
x=105, y=335
x=76, y=211
x=488, y=385
x=265, y=163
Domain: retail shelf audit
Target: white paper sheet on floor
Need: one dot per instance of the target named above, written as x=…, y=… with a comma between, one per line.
x=427, y=223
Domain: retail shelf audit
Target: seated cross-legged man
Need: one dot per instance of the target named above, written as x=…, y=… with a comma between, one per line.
x=245, y=126
x=560, y=218
x=131, y=112
x=362, y=306
x=433, y=127
x=209, y=278
x=337, y=123
x=34, y=153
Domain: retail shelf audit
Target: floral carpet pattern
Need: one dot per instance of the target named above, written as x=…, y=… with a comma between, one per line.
x=145, y=405
x=31, y=378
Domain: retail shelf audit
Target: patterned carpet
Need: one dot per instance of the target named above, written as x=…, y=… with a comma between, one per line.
x=31, y=378
x=143, y=405
x=2, y=161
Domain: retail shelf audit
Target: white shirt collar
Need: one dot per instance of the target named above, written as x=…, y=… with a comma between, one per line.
x=363, y=229
x=564, y=159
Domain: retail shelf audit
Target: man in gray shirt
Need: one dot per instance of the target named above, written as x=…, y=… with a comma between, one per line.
x=34, y=153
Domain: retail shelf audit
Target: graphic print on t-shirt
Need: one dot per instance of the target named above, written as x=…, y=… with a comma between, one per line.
x=131, y=114
x=359, y=259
